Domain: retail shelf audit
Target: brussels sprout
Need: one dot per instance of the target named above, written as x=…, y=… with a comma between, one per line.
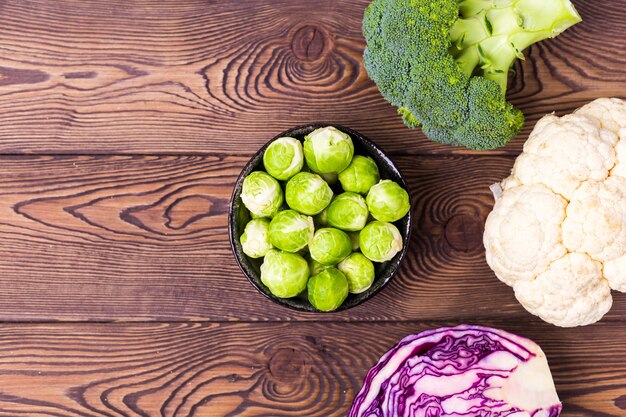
x=291, y=231
x=348, y=211
x=316, y=267
x=380, y=241
x=359, y=272
x=284, y=274
x=387, y=201
x=283, y=158
x=329, y=246
x=261, y=194
x=361, y=175
x=354, y=236
x=308, y=193
x=328, y=289
x=327, y=150
x=255, y=240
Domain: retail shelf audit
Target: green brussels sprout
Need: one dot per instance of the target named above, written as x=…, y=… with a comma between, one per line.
x=354, y=236
x=284, y=274
x=316, y=267
x=283, y=158
x=261, y=194
x=330, y=246
x=380, y=241
x=327, y=150
x=328, y=289
x=348, y=211
x=387, y=201
x=308, y=193
x=291, y=231
x=255, y=240
x=359, y=272
x=361, y=175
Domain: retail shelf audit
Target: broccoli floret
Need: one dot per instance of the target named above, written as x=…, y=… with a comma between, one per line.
x=445, y=63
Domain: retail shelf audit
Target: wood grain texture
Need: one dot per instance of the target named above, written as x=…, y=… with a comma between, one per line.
x=263, y=369
x=145, y=238
x=198, y=76
x=123, y=127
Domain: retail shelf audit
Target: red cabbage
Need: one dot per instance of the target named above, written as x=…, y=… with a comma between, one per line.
x=463, y=371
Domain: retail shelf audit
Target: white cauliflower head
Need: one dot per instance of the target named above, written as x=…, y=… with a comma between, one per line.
x=557, y=232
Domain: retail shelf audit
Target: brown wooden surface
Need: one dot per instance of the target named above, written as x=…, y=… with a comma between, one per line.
x=260, y=369
x=123, y=126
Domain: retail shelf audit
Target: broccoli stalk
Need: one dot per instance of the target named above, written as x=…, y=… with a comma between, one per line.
x=490, y=35
x=445, y=63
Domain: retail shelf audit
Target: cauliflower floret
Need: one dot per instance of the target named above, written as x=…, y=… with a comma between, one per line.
x=523, y=233
x=563, y=152
x=570, y=293
x=610, y=112
x=620, y=150
x=596, y=219
x=615, y=273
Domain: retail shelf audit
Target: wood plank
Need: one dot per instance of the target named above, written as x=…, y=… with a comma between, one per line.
x=262, y=369
x=198, y=76
x=145, y=238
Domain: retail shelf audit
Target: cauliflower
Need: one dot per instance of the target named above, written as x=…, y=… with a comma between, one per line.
x=557, y=233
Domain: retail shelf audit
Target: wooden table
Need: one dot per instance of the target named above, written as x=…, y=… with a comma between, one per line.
x=123, y=126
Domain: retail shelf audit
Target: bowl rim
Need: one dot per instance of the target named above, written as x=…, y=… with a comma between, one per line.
x=246, y=270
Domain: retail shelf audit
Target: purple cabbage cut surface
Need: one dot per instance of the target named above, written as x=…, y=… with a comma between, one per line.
x=463, y=371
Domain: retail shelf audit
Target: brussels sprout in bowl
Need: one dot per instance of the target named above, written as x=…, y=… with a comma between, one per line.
x=364, y=154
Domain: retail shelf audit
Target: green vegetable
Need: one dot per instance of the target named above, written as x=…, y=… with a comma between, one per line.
x=284, y=273
x=255, y=240
x=328, y=150
x=387, y=201
x=283, y=158
x=308, y=193
x=330, y=246
x=291, y=231
x=380, y=241
x=359, y=272
x=261, y=194
x=445, y=63
x=360, y=175
x=328, y=289
x=348, y=211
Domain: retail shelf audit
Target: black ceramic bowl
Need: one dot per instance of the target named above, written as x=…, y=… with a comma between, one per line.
x=238, y=217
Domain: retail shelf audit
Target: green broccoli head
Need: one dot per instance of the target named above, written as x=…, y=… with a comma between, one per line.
x=445, y=63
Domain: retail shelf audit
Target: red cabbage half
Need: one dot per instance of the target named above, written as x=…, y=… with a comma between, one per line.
x=463, y=371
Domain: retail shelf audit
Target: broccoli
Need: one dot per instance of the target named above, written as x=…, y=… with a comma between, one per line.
x=445, y=63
